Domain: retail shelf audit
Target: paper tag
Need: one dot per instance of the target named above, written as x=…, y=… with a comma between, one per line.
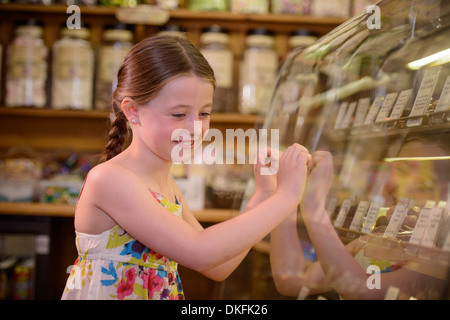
x=397, y=218
x=386, y=107
x=373, y=111
x=446, y=245
x=348, y=115
x=361, y=111
x=424, y=95
x=444, y=99
x=420, y=226
x=371, y=217
x=340, y=115
x=403, y=98
x=431, y=231
x=343, y=211
x=359, y=215
x=42, y=244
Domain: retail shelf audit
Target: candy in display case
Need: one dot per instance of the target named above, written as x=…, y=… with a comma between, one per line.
x=375, y=93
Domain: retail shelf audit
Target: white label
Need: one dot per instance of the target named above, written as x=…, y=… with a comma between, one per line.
x=430, y=235
x=446, y=245
x=386, y=107
x=348, y=115
x=42, y=244
x=221, y=62
x=343, y=211
x=420, y=226
x=371, y=217
x=373, y=111
x=340, y=115
x=444, y=99
x=359, y=215
x=397, y=218
x=361, y=110
x=403, y=98
x=331, y=205
x=423, y=95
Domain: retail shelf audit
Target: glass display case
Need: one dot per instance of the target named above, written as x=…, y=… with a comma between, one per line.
x=375, y=92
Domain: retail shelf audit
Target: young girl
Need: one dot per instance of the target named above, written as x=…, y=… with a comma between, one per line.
x=132, y=224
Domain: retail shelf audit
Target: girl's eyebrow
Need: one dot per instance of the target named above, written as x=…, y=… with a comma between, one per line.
x=184, y=106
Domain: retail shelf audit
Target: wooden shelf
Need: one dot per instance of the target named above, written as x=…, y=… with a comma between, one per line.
x=99, y=114
x=184, y=14
x=65, y=210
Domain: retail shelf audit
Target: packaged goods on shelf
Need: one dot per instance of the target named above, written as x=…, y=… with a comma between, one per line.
x=73, y=70
x=257, y=71
x=26, y=67
x=117, y=42
x=214, y=45
x=249, y=6
x=208, y=5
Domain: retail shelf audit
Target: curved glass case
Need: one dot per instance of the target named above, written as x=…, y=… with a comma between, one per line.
x=376, y=93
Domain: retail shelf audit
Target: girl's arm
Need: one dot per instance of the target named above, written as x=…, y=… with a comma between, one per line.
x=265, y=188
x=147, y=221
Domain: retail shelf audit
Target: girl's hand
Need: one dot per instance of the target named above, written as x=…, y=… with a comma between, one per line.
x=319, y=181
x=265, y=171
x=292, y=172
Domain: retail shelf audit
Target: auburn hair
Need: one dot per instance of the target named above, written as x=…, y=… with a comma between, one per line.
x=147, y=68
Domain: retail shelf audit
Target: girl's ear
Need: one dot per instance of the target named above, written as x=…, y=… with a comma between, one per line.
x=130, y=110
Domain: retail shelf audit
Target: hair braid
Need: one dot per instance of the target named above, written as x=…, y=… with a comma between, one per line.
x=117, y=135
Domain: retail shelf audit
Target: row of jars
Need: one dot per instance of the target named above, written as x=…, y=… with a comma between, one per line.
x=73, y=67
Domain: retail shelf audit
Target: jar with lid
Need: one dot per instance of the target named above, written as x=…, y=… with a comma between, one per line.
x=172, y=30
x=73, y=70
x=257, y=72
x=214, y=45
x=117, y=41
x=26, y=67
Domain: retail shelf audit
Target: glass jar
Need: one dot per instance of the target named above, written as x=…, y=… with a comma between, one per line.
x=301, y=38
x=214, y=45
x=257, y=72
x=27, y=67
x=73, y=70
x=117, y=41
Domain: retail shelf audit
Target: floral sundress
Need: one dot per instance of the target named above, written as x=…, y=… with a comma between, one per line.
x=114, y=265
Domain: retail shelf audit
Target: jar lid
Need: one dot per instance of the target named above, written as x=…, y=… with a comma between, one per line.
x=172, y=30
x=118, y=35
x=214, y=34
x=82, y=33
x=29, y=27
x=260, y=31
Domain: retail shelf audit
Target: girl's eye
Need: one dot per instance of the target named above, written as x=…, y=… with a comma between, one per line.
x=205, y=114
x=178, y=115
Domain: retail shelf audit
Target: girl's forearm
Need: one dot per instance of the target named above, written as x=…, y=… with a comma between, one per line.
x=286, y=256
x=224, y=241
x=341, y=269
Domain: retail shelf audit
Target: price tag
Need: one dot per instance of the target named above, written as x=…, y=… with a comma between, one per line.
x=331, y=205
x=420, y=226
x=431, y=232
x=444, y=99
x=373, y=111
x=361, y=111
x=343, y=211
x=348, y=115
x=386, y=107
x=424, y=95
x=371, y=217
x=359, y=215
x=403, y=98
x=340, y=115
x=397, y=218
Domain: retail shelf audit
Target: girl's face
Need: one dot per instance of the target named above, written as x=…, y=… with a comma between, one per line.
x=167, y=122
